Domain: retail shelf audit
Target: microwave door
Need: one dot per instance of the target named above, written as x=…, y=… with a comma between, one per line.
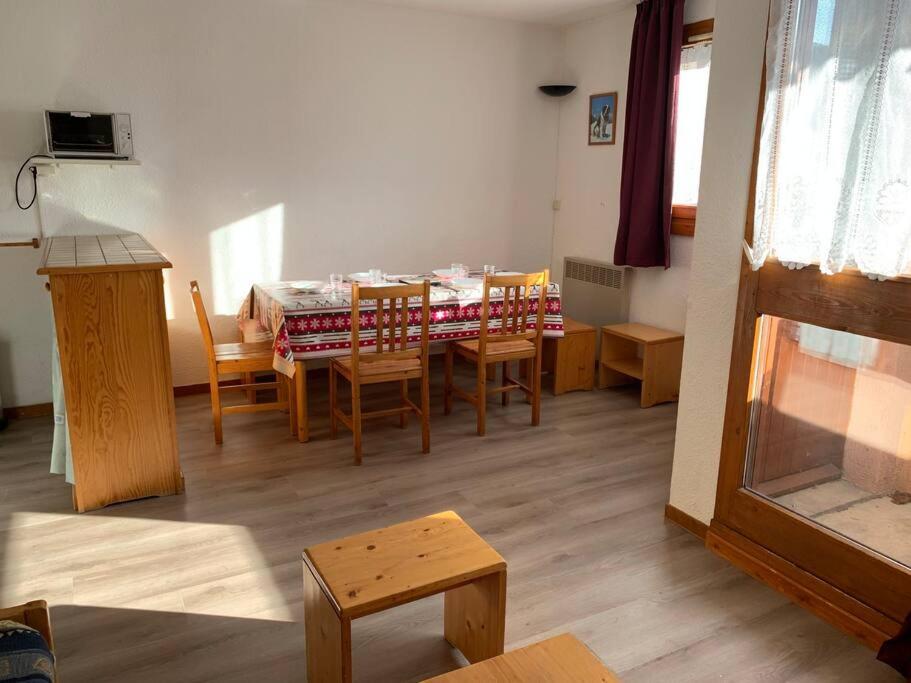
x=81, y=135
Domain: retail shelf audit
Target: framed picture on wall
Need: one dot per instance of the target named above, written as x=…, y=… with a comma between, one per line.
x=602, y=118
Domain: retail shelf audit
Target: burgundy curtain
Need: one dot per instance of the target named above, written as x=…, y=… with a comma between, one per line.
x=644, y=233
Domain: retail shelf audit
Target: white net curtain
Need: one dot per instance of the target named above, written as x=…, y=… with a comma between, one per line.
x=834, y=175
x=693, y=92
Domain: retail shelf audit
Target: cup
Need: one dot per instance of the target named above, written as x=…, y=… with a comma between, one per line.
x=376, y=275
x=490, y=270
x=459, y=270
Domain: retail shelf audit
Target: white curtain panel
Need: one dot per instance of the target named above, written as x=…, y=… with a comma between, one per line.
x=834, y=174
x=693, y=91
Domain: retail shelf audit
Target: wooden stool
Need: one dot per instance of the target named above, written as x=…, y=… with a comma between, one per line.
x=658, y=366
x=570, y=359
x=370, y=572
x=562, y=658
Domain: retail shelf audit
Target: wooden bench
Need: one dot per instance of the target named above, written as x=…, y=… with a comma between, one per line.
x=632, y=351
x=562, y=658
x=371, y=572
x=570, y=359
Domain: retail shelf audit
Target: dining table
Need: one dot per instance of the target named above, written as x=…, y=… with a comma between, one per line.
x=311, y=319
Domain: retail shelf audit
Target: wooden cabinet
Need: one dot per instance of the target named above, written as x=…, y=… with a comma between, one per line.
x=570, y=359
x=109, y=313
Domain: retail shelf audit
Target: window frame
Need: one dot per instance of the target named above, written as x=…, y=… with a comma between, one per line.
x=683, y=216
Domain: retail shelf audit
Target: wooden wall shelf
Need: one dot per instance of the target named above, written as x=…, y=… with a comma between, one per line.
x=49, y=166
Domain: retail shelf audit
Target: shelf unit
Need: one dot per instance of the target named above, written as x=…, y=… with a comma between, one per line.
x=631, y=352
x=631, y=367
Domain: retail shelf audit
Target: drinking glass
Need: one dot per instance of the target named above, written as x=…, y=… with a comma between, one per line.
x=459, y=270
x=490, y=270
x=376, y=275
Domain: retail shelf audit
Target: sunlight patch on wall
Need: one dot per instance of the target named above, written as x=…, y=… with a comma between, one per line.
x=168, y=296
x=244, y=252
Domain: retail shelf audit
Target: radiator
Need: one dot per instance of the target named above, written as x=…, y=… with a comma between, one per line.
x=595, y=292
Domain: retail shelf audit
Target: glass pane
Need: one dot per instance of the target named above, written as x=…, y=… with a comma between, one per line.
x=691, y=100
x=830, y=433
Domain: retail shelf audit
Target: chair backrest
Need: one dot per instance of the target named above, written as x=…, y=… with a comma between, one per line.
x=398, y=297
x=515, y=314
x=207, y=339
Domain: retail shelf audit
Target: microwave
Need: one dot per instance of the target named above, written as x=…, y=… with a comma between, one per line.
x=88, y=135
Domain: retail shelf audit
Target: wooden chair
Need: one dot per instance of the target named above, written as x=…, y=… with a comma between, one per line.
x=34, y=614
x=239, y=358
x=385, y=365
x=514, y=342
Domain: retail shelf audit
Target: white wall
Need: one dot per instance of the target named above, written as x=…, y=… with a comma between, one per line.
x=737, y=55
x=596, y=58
x=354, y=135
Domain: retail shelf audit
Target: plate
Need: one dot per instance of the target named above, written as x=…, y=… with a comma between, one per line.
x=465, y=283
x=307, y=285
x=363, y=278
x=508, y=272
x=445, y=273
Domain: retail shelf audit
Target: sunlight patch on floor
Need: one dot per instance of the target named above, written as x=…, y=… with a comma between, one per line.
x=114, y=565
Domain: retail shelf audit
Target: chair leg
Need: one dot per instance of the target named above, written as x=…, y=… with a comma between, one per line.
x=288, y=384
x=536, y=392
x=504, y=400
x=300, y=400
x=447, y=381
x=356, y=420
x=403, y=390
x=482, y=399
x=425, y=411
x=249, y=378
x=281, y=392
x=216, y=406
x=333, y=400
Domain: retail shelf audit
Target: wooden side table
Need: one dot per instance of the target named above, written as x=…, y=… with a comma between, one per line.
x=561, y=658
x=632, y=351
x=571, y=358
x=371, y=572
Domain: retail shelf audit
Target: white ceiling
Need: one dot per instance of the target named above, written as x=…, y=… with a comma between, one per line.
x=554, y=12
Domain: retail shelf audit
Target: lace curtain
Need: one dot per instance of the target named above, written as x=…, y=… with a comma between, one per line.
x=692, y=95
x=834, y=174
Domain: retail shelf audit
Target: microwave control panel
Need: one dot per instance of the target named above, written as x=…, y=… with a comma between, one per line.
x=124, y=132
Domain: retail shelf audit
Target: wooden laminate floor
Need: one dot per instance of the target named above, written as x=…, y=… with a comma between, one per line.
x=207, y=586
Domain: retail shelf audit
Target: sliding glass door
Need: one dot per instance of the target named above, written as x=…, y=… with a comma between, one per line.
x=814, y=488
x=830, y=432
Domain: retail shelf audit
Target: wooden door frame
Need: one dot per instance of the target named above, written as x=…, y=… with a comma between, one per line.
x=861, y=592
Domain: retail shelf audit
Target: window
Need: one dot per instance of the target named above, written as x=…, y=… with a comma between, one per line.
x=692, y=94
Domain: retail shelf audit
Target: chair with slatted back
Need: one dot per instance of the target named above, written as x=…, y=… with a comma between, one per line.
x=513, y=341
x=245, y=359
x=392, y=361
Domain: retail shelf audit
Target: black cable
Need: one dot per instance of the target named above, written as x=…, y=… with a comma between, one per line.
x=34, y=172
